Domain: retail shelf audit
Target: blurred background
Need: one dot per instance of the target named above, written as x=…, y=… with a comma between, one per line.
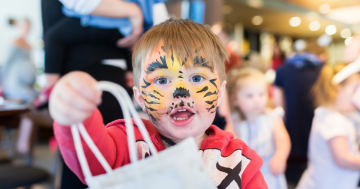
x=258, y=33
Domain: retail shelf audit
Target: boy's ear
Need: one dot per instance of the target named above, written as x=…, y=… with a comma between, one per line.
x=222, y=93
x=138, y=98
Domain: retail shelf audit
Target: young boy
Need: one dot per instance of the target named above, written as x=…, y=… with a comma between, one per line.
x=179, y=81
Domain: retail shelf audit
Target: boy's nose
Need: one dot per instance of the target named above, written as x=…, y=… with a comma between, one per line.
x=181, y=93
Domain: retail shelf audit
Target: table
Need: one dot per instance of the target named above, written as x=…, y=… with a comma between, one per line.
x=10, y=114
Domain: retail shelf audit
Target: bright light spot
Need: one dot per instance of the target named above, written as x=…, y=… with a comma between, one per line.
x=324, y=40
x=314, y=26
x=257, y=20
x=255, y=3
x=324, y=8
x=270, y=76
x=345, y=33
x=330, y=30
x=299, y=45
x=295, y=21
x=227, y=9
x=216, y=28
x=348, y=41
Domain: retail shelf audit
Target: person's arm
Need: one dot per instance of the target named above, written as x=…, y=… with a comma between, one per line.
x=342, y=156
x=279, y=97
x=283, y=146
x=105, y=8
x=113, y=9
x=102, y=139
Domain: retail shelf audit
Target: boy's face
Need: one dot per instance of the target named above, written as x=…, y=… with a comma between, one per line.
x=181, y=102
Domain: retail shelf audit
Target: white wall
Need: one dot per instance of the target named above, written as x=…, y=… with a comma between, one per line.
x=18, y=9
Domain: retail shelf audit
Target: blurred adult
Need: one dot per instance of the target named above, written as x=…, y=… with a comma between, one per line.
x=19, y=72
x=293, y=84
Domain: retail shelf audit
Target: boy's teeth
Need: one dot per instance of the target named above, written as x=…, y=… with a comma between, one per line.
x=179, y=118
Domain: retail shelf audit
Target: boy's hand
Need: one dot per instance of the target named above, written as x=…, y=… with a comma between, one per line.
x=277, y=166
x=74, y=98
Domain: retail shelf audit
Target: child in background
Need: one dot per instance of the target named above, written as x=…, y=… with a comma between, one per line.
x=179, y=78
x=334, y=160
x=262, y=130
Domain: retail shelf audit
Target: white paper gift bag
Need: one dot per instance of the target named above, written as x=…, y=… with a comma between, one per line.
x=179, y=167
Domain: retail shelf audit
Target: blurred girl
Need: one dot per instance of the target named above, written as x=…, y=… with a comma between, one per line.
x=262, y=130
x=334, y=160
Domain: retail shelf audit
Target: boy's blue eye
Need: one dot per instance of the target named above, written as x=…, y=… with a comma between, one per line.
x=197, y=78
x=162, y=81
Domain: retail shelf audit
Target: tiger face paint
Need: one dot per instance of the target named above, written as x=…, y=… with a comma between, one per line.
x=180, y=101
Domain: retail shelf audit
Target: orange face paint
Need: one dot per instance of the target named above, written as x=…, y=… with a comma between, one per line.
x=178, y=96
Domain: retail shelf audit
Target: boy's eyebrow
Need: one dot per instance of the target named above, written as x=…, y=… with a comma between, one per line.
x=200, y=61
x=157, y=65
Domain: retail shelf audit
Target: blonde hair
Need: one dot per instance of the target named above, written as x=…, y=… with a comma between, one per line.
x=186, y=38
x=324, y=89
x=237, y=81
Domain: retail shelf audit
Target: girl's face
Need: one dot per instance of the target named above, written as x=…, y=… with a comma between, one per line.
x=345, y=92
x=252, y=97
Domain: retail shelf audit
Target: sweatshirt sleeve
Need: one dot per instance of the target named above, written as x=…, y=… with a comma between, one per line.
x=252, y=176
x=83, y=7
x=256, y=182
x=103, y=139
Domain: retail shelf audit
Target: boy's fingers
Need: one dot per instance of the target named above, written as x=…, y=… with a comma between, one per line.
x=76, y=100
x=86, y=88
x=67, y=115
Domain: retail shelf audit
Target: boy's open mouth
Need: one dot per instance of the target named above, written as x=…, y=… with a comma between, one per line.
x=181, y=116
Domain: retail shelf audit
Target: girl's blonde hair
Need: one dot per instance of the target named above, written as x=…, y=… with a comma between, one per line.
x=324, y=89
x=237, y=80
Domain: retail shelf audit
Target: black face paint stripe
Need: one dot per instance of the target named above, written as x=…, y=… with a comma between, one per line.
x=176, y=106
x=150, y=109
x=180, y=77
x=210, y=108
x=211, y=102
x=157, y=65
x=180, y=72
x=163, y=48
x=181, y=92
x=201, y=62
x=143, y=93
x=212, y=112
x=155, y=91
x=212, y=81
x=151, y=102
x=146, y=84
x=188, y=104
x=152, y=96
x=203, y=89
x=210, y=93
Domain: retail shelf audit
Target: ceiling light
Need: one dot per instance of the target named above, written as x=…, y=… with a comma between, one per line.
x=294, y=21
x=330, y=30
x=348, y=41
x=324, y=8
x=255, y=3
x=345, y=33
x=257, y=20
x=314, y=26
